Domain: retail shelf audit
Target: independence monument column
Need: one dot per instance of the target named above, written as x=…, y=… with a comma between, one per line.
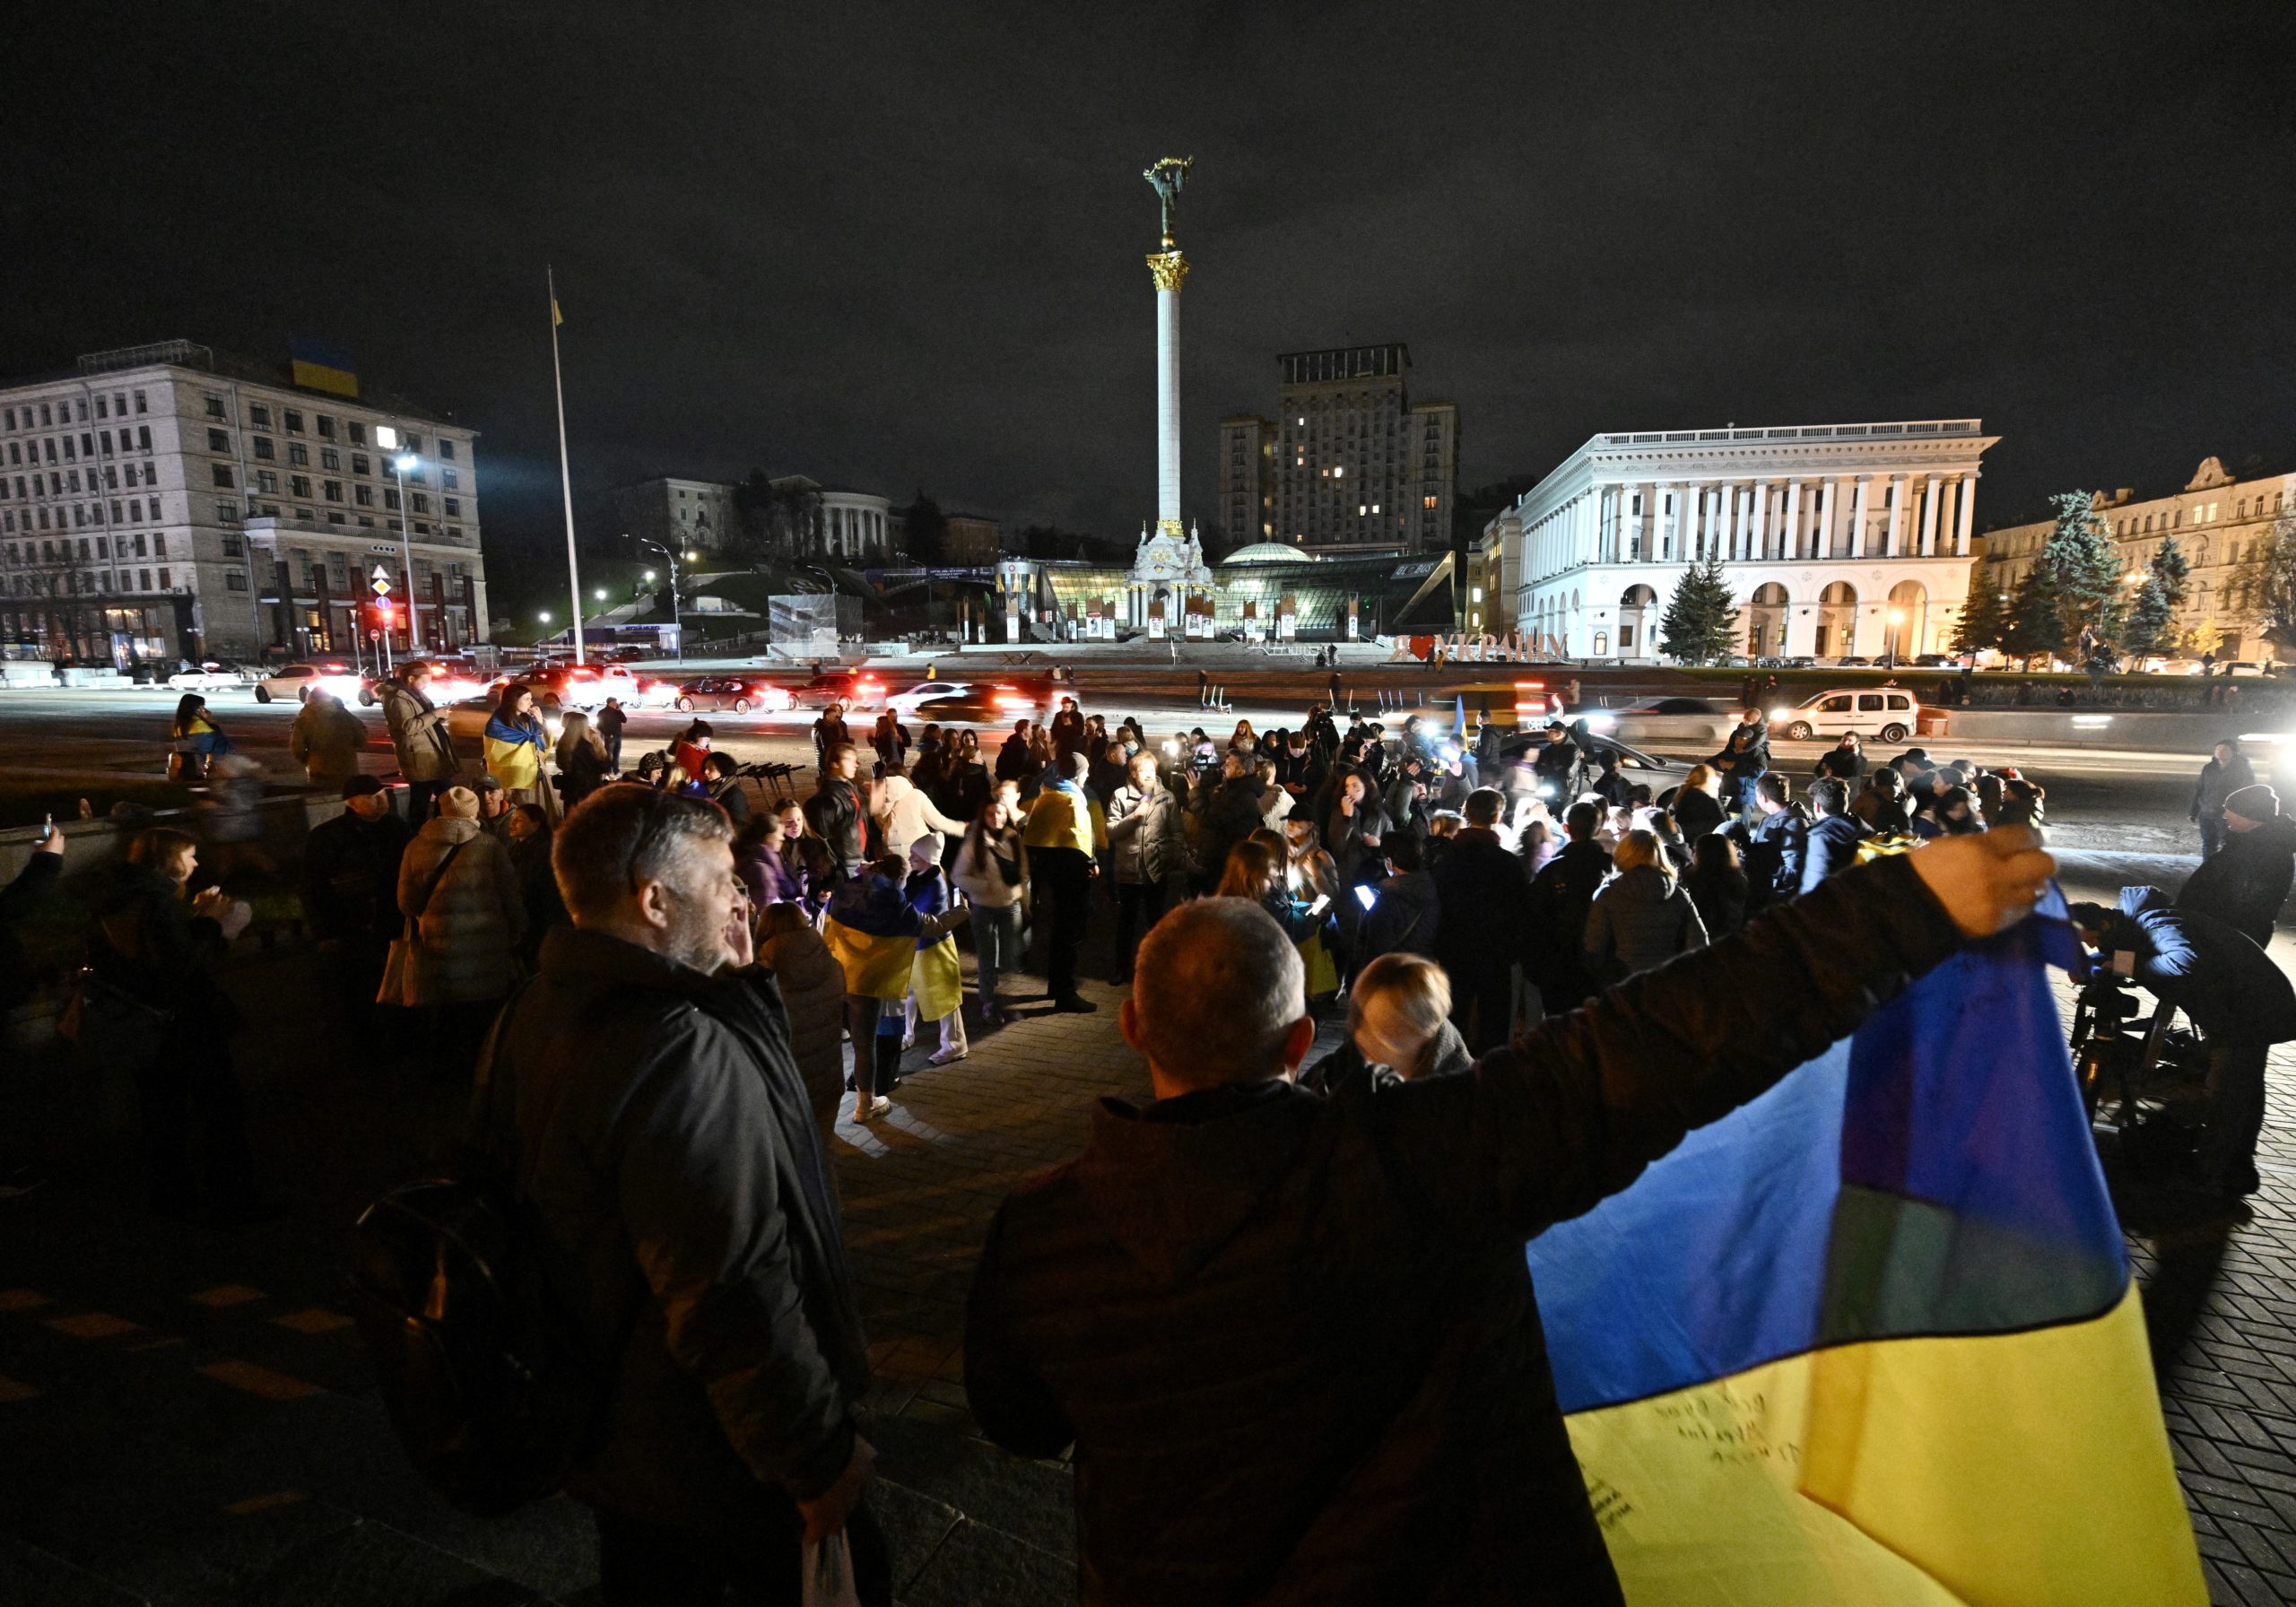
x=1168, y=268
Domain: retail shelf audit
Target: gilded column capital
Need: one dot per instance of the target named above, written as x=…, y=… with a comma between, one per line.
x=1168, y=268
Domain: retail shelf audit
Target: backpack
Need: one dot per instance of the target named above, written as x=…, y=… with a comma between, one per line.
x=487, y=1380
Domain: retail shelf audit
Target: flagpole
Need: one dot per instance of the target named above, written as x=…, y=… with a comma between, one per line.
x=565, y=474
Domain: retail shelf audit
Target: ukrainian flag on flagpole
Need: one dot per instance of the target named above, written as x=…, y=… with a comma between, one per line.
x=1872, y=1341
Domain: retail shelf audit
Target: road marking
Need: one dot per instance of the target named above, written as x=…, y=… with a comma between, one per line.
x=255, y=1504
x=12, y=1391
x=21, y=1299
x=229, y=1294
x=93, y=1325
x=259, y=1380
x=313, y=1321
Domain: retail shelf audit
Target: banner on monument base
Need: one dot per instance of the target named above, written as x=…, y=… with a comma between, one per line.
x=1873, y=1338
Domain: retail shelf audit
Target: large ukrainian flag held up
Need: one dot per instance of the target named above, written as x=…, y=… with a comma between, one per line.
x=1872, y=1340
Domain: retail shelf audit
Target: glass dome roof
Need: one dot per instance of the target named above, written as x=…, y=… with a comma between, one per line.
x=1267, y=552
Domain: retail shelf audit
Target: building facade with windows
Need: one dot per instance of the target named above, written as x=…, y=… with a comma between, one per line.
x=1349, y=465
x=1838, y=540
x=677, y=514
x=2218, y=520
x=164, y=502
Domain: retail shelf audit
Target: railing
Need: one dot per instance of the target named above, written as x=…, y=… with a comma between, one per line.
x=1926, y=428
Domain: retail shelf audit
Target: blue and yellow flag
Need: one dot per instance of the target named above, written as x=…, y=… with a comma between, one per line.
x=872, y=930
x=1873, y=1338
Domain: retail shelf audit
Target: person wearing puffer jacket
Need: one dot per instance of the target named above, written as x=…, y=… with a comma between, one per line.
x=904, y=813
x=812, y=992
x=325, y=739
x=1642, y=917
x=465, y=915
x=1148, y=846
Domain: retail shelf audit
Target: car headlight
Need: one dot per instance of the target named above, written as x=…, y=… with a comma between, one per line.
x=1779, y=714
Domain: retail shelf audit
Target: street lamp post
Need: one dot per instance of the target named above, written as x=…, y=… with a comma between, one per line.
x=677, y=620
x=1897, y=632
x=402, y=464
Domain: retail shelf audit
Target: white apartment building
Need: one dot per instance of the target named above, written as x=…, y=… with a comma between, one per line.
x=164, y=502
x=1837, y=539
x=2217, y=518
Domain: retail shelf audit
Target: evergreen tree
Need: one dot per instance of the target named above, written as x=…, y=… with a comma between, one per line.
x=925, y=529
x=2174, y=574
x=1983, y=616
x=2268, y=576
x=2035, y=614
x=1700, y=624
x=2084, y=572
x=2146, y=628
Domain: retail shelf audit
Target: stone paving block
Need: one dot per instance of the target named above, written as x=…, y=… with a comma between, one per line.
x=29, y=1574
x=977, y=1568
x=372, y=1565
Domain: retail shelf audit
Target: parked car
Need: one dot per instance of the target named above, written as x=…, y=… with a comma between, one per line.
x=713, y=693
x=1935, y=661
x=209, y=678
x=1884, y=711
x=1853, y=661
x=1667, y=720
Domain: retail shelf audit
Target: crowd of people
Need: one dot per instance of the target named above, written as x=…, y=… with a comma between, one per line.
x=670, y=991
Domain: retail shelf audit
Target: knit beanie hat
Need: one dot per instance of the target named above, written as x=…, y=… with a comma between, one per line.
x=2257, y=802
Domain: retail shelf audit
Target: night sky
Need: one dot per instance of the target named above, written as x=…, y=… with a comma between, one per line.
x=900, y=246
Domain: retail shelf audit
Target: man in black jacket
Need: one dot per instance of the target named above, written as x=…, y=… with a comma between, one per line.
x=1830, y=844
x=1560, y=895
x=2226, y=772
x=1294, y=1340
x=1484, y=898
x=839, y=811
x=1774, y=844
x=1231, y=814
x=2232, y=991
x=642, y=1094
x=2245, y=883
x=350, y=896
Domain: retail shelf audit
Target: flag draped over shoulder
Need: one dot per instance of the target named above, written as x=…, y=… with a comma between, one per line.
x=873, y=932
x=1873, y=1338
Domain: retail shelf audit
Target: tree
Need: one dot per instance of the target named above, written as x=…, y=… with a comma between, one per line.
x=754, y=501
x=2147, y=628
x=1983, y=618
x=1700, y=622
x=2035, y=614
x=2174, y=574
x=2084, y=572
x=927, y=530
x=2268, y=576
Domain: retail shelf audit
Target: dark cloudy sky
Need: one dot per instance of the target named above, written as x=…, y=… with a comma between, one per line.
x=900, y=245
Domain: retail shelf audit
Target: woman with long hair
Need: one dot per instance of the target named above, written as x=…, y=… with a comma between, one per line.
x=890, y=738
x=514, y=746
x=1717, y=884
x=1698, y=804
x=1641, y=918
x=992, y=870
x=1244, y=741
x=194, y=739
x=582, y=765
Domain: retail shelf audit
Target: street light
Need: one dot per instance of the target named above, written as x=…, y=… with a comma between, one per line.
x=1897, y=624
x=677, y=620
x=543, y=616
x=404, y=464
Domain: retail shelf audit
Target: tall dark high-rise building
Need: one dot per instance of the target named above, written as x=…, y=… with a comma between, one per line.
x=1350, y=463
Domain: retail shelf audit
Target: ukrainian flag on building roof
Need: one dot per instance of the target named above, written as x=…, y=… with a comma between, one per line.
x=1872, y=1341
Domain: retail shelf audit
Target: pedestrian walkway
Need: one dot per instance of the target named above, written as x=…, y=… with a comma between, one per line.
x=191, y=1419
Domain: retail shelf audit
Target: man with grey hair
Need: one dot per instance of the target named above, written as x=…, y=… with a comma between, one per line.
x=1293, y=1339
x=642, y=1094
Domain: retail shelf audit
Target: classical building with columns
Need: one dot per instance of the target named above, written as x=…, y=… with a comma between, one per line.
x=1837, y=539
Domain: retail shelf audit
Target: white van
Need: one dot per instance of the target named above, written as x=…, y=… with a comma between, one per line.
x=1883, y=712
